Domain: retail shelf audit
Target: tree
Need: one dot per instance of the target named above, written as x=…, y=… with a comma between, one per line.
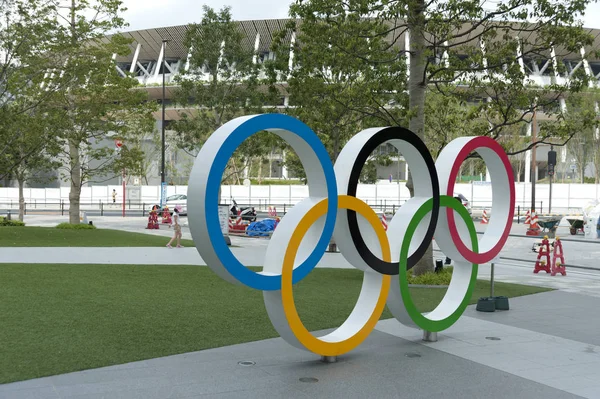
x=140, y=149
x=27, y=39
x=463, y=49
x=596, y=160
x=581, y=119
x=95, y=103
x=448, y=118
x=514, y=140
x=223, y=82
x=331, y=90
x=32, y=149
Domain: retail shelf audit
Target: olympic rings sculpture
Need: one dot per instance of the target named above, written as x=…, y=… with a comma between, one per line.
x=332, y=209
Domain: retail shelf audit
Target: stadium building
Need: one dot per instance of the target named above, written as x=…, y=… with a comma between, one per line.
x=148, y=63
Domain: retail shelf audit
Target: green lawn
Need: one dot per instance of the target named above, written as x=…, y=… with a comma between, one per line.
x=51, y=237
x=61, y=318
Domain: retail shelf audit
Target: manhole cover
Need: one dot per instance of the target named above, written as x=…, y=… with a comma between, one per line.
x=308, y=379
x=412, y=355
x=246, y=363
x=493, y=338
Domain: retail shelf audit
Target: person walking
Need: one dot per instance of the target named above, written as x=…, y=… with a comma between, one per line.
x=176, y=227
x=114, y=195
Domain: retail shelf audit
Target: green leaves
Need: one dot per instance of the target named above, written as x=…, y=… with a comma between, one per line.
x=225, y=80
x=340, y=82
x=474, y=53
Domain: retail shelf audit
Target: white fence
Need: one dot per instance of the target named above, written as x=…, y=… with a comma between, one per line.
x=565, y=197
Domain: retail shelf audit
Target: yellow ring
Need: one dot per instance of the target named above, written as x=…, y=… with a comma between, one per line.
x=310, y=342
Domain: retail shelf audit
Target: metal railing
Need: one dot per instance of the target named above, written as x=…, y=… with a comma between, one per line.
x=132, y=208
x=506, y=258
x=141, y=208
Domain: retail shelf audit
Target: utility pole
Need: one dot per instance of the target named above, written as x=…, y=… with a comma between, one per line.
x=162, y=165
x=533, y=160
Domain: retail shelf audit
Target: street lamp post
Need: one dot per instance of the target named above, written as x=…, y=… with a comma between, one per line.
x=533, y=160
x=163, y=177
x=551, y=165
x=162, y=166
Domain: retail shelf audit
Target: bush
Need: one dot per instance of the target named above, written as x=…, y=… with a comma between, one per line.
x=432, y=278
x=81, y=226
x=276, y=182
x=11, y=223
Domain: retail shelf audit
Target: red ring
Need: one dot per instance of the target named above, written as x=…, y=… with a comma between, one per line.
x=473, y=145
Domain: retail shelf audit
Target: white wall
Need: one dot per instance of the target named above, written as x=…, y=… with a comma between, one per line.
x=564, y=196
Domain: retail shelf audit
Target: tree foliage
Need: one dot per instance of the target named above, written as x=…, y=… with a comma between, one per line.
x=27, y=44
x=581, y=124
x=336, y=93
x=32, y=151
x=91, y=102
x=223, y=81
x=466, y=50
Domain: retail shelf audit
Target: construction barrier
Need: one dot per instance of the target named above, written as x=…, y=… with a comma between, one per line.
x=484, y=217
x=558, y=259
x=384, y=222
x=528, y=217
x=152, y=220
x=543, y=264
x=166, y=215
x=238, y=227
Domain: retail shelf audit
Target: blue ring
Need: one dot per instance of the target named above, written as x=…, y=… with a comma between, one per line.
x=241, y=133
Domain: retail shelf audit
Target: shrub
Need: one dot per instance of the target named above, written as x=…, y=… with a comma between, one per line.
x=276, y=182
x=11, y=223
x=69, y=226
x=432, y=278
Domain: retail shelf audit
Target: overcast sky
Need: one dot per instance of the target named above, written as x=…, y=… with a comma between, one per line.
x=144, y=14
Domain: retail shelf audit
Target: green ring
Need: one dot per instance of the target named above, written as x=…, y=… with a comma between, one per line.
x=419, y=319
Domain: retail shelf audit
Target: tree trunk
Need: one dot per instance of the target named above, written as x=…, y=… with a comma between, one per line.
x=75, y=193
x=595, y=158
x=260, y=166
x=416, y=92
x=74, y=156
x=271, y=164
x=236, y=172
x=336, y=142
x=21, y=180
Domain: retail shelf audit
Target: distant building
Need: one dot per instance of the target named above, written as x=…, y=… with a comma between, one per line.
x=145, y=62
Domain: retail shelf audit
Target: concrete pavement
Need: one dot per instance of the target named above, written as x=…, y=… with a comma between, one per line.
x=531, y=351
x=251, y=251
x=547, y=346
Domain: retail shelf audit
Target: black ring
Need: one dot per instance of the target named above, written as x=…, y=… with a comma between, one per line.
x=382, y=136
